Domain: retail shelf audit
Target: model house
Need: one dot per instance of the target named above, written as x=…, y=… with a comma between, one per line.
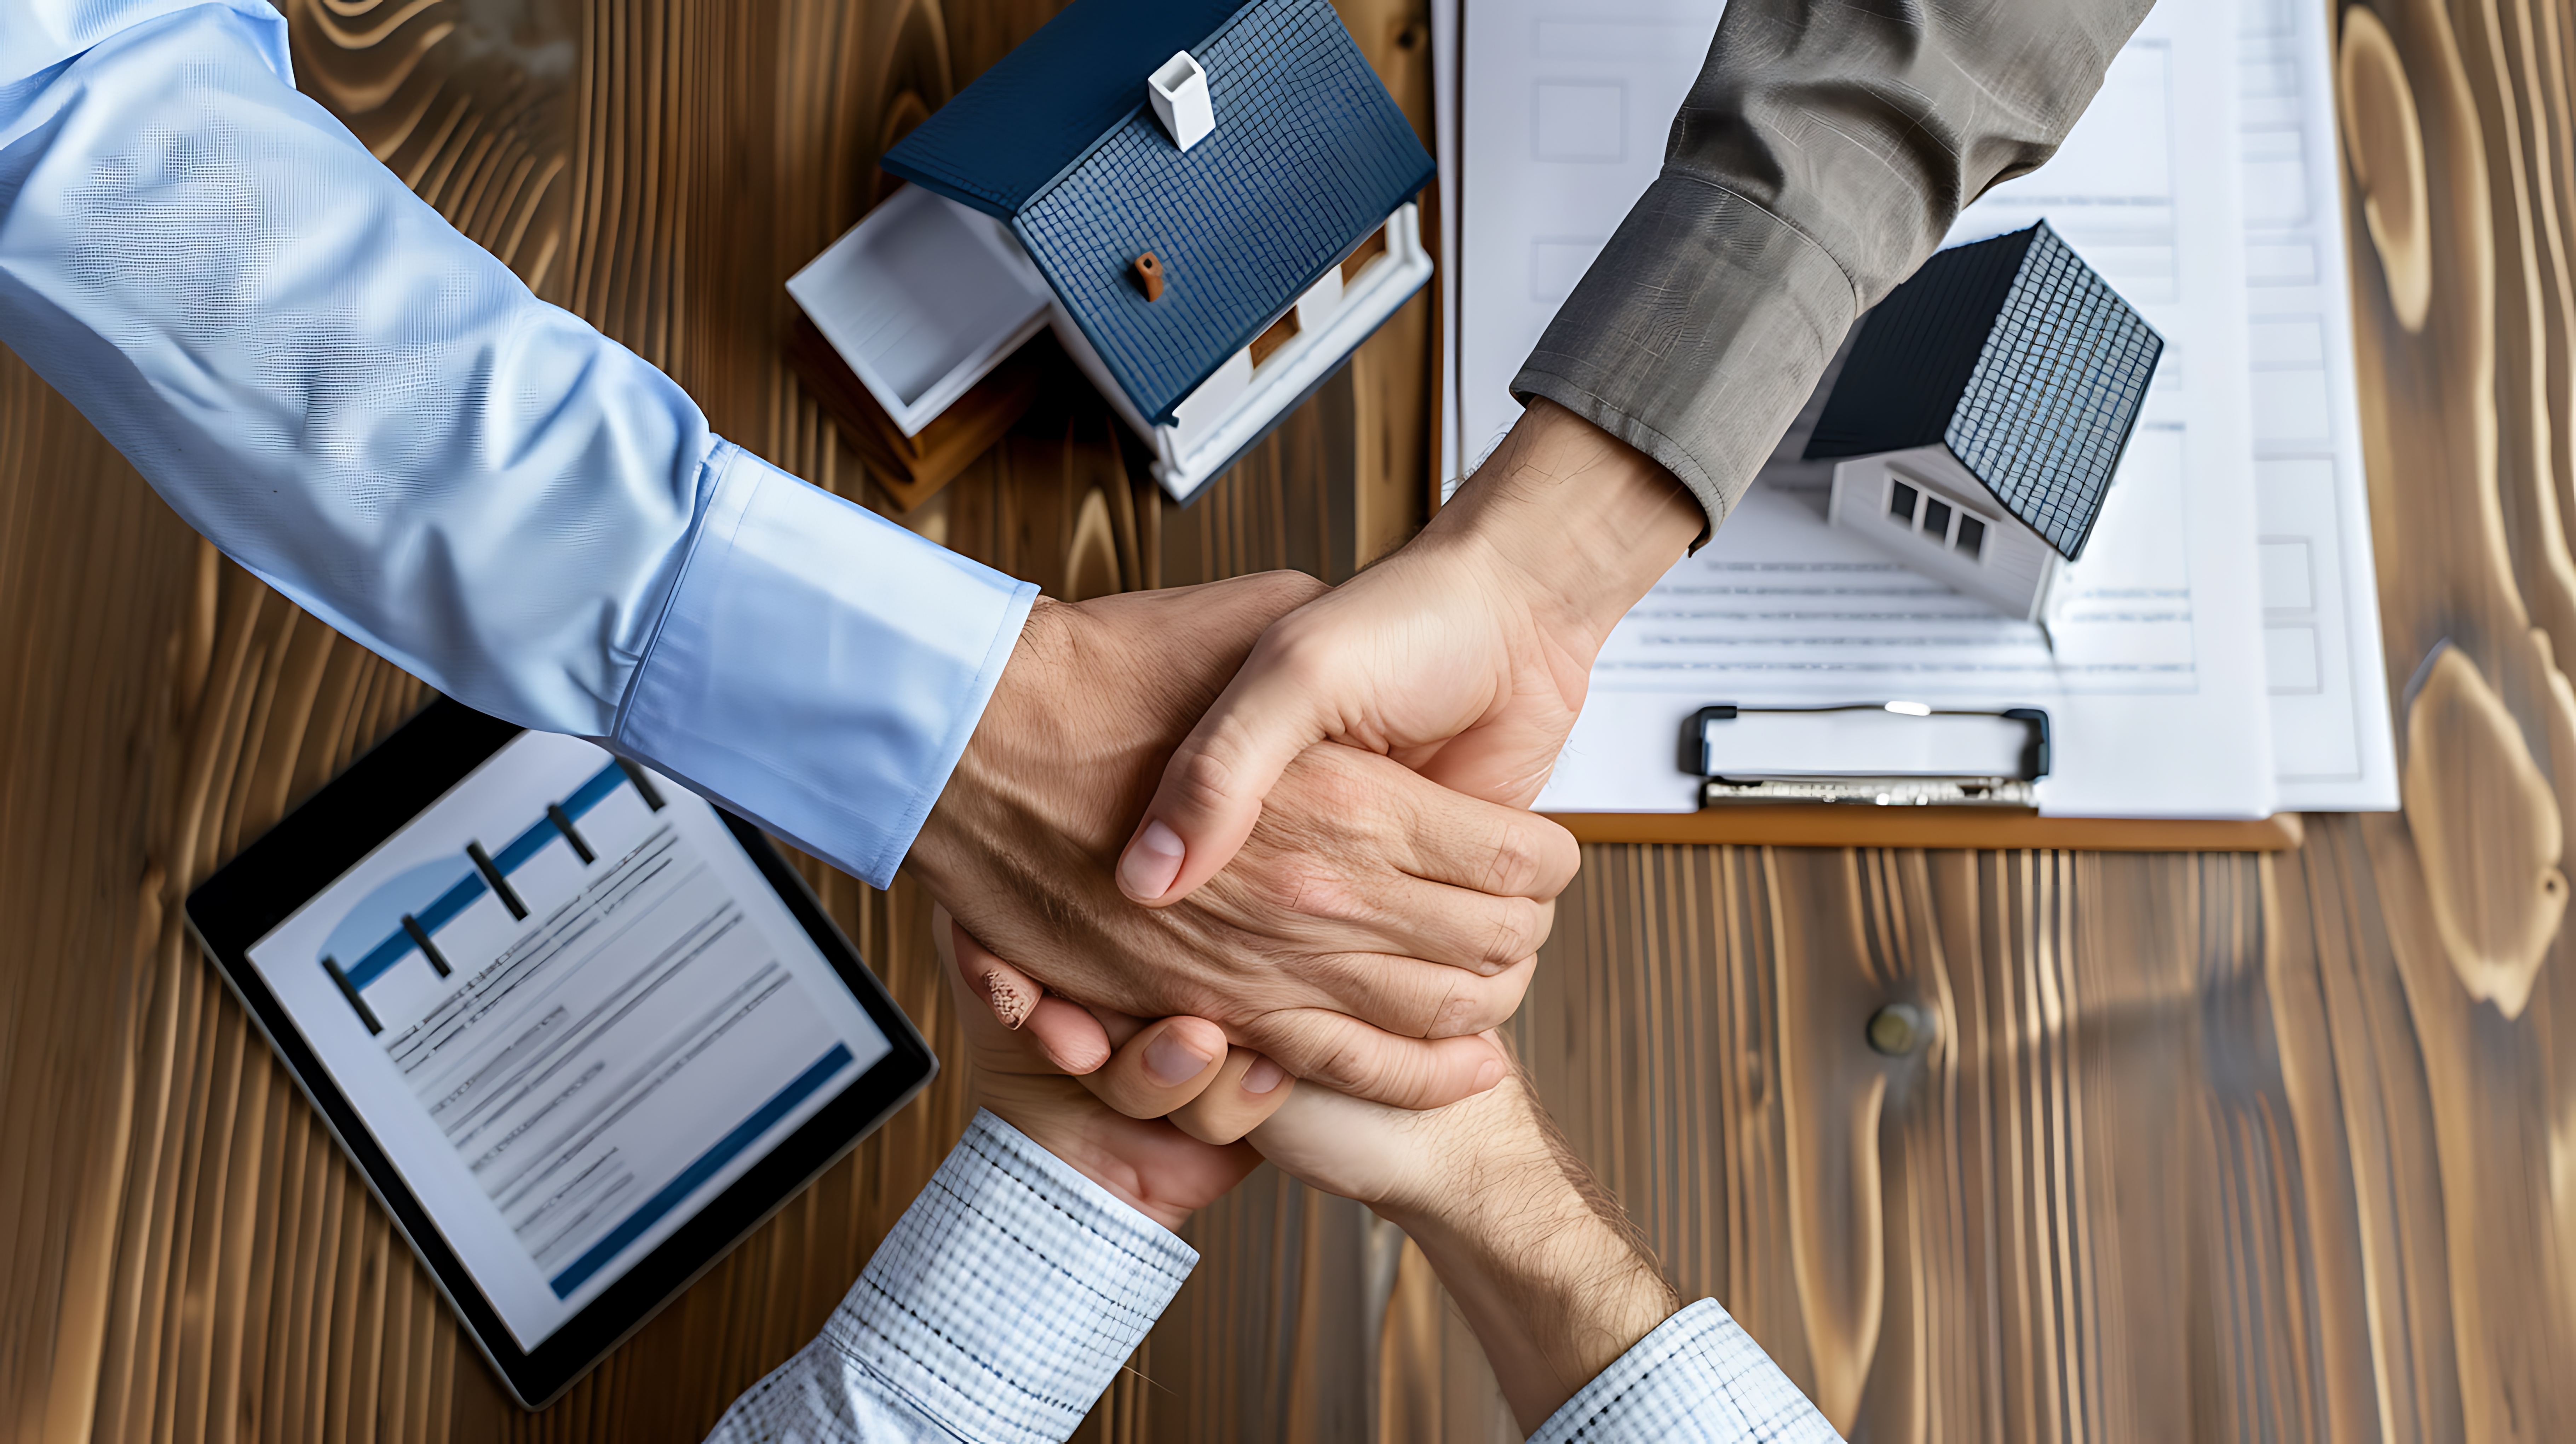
x=1211, y=205
x=1983, y=411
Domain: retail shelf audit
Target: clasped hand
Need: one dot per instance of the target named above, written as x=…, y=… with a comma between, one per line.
x=1300, y=814
x=1332, y=877
x=1371, y=927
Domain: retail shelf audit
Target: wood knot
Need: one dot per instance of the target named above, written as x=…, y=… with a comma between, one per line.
x=1149, y=276
x=1899, y=1029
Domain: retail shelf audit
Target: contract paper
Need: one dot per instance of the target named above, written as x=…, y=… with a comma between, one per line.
x=571, y=1011
x=2331, y=736
x=2152, y=669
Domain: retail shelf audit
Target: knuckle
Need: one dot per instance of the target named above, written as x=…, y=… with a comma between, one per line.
x=1518, y=861
x=1518, y=930
x=1368, y=1064
x=1414, y=997
x=1542, y=927
x=1203, y=780
x=1464, y=1011
x=1344, y=1068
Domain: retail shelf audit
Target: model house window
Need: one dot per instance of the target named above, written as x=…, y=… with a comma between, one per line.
x=1942, y=522
x=1972, y=538
x=1369, y=250
x=1281, y=332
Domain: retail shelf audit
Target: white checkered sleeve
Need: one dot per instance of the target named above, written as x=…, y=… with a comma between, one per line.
x=998, y=1310
x=1696, y=1377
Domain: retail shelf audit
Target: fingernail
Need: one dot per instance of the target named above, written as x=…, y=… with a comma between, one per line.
x=1489, y=1075
x=1172, y=1060
x=1262, y=1076
x=1009, y=1004
x=1152, y=861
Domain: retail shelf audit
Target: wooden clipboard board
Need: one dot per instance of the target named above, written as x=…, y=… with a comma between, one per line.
x=1823, y=825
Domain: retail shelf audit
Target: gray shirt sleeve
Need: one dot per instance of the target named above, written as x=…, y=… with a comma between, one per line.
x=1822, y=154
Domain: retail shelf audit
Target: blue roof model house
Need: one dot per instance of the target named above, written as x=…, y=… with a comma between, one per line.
x=1984, y=408
x=1210, y=203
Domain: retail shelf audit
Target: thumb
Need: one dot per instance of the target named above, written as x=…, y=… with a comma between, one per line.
x=1213, y=787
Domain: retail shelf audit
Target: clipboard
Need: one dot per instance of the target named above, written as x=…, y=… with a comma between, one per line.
x=1895, y=774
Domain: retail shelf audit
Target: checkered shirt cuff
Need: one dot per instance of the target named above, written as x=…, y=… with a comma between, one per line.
x=999, y=1309
x=1696, y=1377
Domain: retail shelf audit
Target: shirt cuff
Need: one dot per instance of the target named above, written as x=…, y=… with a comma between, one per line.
x=1011, y=1292
x=819, y=669
x=1696, y=1377
x=1696, y=336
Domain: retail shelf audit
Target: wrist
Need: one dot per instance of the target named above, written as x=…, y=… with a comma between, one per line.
x=1578, y=524
x=1545, y=1268
x=1071, y=1131
x=1554, y=1292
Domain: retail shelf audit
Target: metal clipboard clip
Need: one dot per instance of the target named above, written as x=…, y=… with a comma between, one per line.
x=1878, y=754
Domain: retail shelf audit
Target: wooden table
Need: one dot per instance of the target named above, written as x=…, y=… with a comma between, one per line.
x=2208, y=1146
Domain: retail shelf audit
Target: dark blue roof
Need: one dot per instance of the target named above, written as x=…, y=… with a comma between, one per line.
x=1309, y=155
x=1048, y=102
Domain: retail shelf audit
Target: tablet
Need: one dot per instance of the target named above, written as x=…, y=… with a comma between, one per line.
x=580, y=1030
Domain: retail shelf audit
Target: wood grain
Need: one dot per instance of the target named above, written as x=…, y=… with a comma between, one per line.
x=2208, y=1146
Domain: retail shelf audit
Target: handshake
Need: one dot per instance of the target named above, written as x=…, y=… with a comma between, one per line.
x=1335, y=893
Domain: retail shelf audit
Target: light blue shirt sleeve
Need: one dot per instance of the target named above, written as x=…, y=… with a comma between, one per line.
x=1001, y=1306
x=377, y=418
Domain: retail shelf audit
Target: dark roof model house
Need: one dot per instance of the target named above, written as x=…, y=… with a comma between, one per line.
x=1210, y=201
x=1984, y=409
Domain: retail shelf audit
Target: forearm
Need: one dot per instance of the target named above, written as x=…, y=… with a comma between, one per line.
x=1823, y=153
x=374, y=415
x=1588, y=1340
x=318, y=373
x=1577, y=524
x=1555, y=1289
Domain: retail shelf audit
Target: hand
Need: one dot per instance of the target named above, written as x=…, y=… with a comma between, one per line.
x=1373, y=925
x=1464, y=656
x=1549, y=1273
x=1175, y=1071
x=1153, y=1167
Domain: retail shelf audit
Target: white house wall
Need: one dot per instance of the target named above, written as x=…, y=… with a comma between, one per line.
x=2017, y=565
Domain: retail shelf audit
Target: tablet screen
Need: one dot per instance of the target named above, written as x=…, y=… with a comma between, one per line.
x=570, y=1010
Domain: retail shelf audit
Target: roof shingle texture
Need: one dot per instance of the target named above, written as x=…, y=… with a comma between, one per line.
x=1308, y=157
x=2055, y=394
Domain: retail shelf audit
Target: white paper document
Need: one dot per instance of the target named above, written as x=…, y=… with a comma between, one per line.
x=2159, y=670
x=2330, y=720
x=571, y=1011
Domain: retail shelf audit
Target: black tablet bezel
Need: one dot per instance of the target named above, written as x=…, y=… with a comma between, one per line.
x=346, y=820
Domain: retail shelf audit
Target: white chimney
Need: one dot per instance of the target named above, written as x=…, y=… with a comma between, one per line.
x=1181, y=103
